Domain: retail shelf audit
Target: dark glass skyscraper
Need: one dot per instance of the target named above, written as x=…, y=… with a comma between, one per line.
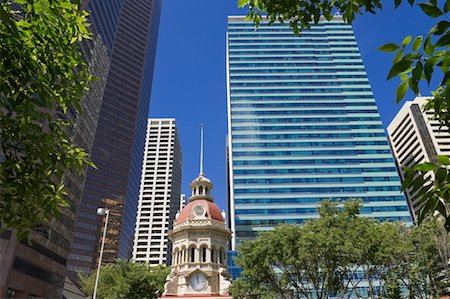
x=129, y=29
x=38, y=269
x=112, y=127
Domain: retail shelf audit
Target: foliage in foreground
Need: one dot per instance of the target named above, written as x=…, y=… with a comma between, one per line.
x=330, y=255
x=431, y=191
x=417, y=59
x=42, y=77
x=131, y=280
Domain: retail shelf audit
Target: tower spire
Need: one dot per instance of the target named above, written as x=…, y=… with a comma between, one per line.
x=201, y=186
x=201, y=149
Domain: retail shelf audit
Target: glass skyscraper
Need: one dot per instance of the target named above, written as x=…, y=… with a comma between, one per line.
x=129, y=30
x=303, y=127
x=111, y=127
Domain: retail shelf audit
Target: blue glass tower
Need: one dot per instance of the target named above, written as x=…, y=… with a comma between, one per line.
x=303, y=127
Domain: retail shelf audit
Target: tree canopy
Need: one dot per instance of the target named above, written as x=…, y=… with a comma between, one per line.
x=125, y=279
x=43, y=76
x=332, y=255
x=416, y=59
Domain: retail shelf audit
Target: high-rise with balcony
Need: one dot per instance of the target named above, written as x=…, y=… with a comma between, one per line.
x=182, y=201
x=159, y=194
x=416, y=138
x=303, y=127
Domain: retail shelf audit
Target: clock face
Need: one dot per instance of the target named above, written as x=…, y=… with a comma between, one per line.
x=199, y=211
x=198, y=282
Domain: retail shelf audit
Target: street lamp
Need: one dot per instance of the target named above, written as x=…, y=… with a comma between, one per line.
x=101, y=212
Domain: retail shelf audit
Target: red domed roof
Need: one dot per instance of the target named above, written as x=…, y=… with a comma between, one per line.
x=211, y=211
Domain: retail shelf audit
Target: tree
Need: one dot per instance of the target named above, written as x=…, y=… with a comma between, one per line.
x=43, y=76
x=125, y=279
x=332, y=255
x=415, y=61
x=309, y=261
x=421, y=261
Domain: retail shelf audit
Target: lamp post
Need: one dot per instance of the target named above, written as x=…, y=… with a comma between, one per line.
x=101, y=212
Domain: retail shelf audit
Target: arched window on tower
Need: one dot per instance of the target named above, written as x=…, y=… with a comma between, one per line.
x=213, y=253
x=221, y=256
x=204, y=255
x=192, y=254
x=183, y=255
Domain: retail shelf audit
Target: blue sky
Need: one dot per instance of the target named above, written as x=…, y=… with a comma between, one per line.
x=190, y=74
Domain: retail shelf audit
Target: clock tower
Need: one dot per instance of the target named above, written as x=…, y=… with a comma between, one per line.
x=200, y=241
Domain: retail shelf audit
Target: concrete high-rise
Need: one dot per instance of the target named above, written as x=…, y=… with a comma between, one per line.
x=129, y=30
x=416, y=138
x=159, y=194
x=303, y=127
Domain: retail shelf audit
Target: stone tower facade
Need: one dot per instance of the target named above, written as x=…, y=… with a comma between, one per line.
x=200, y=240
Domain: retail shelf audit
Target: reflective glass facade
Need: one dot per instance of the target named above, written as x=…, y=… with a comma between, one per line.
x=129, y=30
x=38, y=269
x=303, y=127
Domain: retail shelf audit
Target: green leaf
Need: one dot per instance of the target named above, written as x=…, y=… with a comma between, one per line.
x=431, y=10
x=399, y=67
x=418, y=183
x=444, y=160
x=397, y=3
x=401, y=91
x=398, y=57
x=406, y=41
x=66, y=5
x=441, y=174
x=408, y=178
x=256, y=4
x=428, y=69
x=425, y=167
x=447, y=6
x=417, y=71
x=417, y=43
x=443, y=41
x=440, y=207
x=415, y=78
x=440, y=28
x=413, y=85
x=427, y=208
x=428, y=48
x=423, y=193
x=446, y=79
x=390, y=47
